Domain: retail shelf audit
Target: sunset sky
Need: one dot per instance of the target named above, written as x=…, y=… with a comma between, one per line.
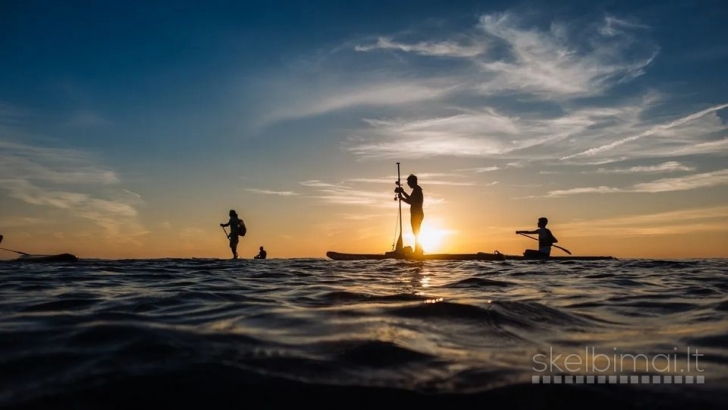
x=130, y=129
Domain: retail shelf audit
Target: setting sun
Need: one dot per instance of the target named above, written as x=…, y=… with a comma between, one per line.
x=432, y=239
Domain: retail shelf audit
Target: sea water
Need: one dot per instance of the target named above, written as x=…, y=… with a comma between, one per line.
x=268, y=333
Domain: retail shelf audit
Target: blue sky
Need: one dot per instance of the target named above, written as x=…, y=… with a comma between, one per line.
x=130, y=130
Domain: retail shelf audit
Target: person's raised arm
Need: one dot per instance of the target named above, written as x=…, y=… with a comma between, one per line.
x=403, y=195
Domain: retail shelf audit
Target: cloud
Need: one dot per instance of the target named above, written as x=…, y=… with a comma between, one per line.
x=10, y=115
x=346, y=193
x=685, y=221
x=705, y=180
x=315, y=183
x=445, y=48
x=516, y=91
x=557, y=66
x=426, y=178
x=350, y=196
x=711, y=147
x=585, y=190
x=326, y=95
x=651, y=131
x=363, y=217
x=671, y=166
x=686, y=183
x=72, y=181
x=480, y=170
x=268, y=192
x=54, y=165
x=470, y=134
x=614, y=26
x=555, y=63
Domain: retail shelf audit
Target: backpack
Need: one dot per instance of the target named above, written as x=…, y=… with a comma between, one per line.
x=242, y=230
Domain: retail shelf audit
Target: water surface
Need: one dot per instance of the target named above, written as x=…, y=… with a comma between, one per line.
x=264, y=333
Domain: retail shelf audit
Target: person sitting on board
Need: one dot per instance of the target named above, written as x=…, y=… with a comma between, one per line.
x=262, y=254
x=235, y=225
x=415, y=199
x=545, y=240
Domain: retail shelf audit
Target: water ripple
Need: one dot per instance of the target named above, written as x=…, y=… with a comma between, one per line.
x=77, y=334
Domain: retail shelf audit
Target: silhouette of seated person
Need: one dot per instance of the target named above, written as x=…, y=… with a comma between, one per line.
x=262, y=254
x=545, y=240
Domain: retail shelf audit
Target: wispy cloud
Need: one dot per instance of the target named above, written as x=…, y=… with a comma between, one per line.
x=584, y=190
x=517, y=91
x=686, y=183
x=315, y=183
x=347, y=192
x=55, y=165
x=269, y=192
x=428, y=179
x=685, y=221
x=447, y=48
x=343, y=195
x=480, y=170
x=326, y=96
x=73, y=181
x=566, y=62
x=615, y=26
x=671, y=166
x=555, y=63
x=651, y=131
x=708, y=179
x=10, y=115
x=363, y=217
x=472, y=134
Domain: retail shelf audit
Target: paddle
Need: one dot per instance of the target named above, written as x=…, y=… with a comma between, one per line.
x=18, y=252
x=10, y=250
x=400, y=244
x=555, y=246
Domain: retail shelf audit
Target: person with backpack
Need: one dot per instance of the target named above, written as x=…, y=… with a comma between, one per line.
x=237, y=228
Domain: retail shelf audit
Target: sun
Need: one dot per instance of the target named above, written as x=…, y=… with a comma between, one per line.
x=432, y=239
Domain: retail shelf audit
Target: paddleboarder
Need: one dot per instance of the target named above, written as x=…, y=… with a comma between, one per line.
x=262, y=254
x=415, y=199
x=545, y=240
x=237, y=227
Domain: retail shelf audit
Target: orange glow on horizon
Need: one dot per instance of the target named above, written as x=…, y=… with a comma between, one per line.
x=432, y=239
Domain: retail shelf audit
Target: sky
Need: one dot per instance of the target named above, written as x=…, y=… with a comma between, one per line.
x=130, y=129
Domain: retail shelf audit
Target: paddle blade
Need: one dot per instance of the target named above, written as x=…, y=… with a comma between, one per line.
x=1, y=238
x=400, y=245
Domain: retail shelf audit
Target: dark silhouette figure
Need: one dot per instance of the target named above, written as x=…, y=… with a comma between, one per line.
x=237, y=228
x=262, y=254
x=545, y=240
x=415, y=199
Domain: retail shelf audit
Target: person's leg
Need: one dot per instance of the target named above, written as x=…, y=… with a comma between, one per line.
x=534, y=254
x=234, y=245
x=416, y=221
